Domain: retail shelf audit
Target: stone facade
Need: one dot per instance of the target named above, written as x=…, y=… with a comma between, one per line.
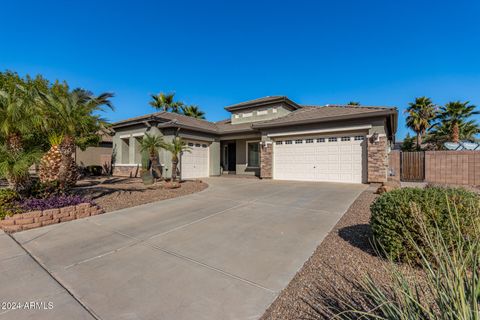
x=266, y=161
x=127, y=171
x=36, y=219
x=377, y=159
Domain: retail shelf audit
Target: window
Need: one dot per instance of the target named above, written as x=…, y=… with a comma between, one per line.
x=308, y=140
x=345, y=138
x=332, y=139
x=320, y=140
x=262, y=112
x=197, y=145
x=253, y=156
x=204, y=145
x=190, y=144
x=359, y=138
x=298, y=141
x=278, y=142
x=246, y=115
x=288, y=141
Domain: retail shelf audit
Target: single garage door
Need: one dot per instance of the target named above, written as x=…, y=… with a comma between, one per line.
x=194, y=164
x=336, y=158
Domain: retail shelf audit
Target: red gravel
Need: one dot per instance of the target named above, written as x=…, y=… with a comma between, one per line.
x=345, y=254
x=116, y=193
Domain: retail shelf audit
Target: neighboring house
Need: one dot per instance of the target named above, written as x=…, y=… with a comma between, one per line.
x=100, y=155
x=271, y=137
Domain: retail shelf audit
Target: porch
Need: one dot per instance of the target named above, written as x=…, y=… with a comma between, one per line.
x=240, y=157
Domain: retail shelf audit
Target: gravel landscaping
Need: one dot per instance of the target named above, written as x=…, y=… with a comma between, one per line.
x=345, y=254
x=114, y=193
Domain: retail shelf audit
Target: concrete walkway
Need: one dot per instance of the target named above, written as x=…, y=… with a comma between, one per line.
x=223, y=253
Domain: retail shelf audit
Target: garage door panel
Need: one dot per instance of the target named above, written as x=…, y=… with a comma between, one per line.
x=339, y=161
x=195, y=164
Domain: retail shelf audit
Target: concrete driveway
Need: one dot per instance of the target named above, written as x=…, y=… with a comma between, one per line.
x=224, y=253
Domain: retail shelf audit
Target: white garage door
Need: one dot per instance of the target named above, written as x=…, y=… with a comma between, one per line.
x=194, y=164
x=336, y=158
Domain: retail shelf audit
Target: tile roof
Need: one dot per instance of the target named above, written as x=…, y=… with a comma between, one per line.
x=262, y=101
x=329, y=112
x=306, y=114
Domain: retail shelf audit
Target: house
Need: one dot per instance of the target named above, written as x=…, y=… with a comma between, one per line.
x=271, y=137
x=100, y=155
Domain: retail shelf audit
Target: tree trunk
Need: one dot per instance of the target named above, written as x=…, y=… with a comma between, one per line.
x=419, y=140
x=68, y=173
x=156, y=172
x=455, y=133
x=174, y=169
x=14, y=143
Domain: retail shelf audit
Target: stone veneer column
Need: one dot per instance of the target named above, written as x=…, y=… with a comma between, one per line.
x=266, y=158
x=377, y=158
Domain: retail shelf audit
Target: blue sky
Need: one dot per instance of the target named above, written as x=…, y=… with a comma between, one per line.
x=216, y=53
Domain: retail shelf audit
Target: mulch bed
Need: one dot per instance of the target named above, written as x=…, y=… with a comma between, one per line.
x=345, y=254
x=116, y=193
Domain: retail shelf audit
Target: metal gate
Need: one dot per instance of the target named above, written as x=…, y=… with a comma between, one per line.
x=412, y=166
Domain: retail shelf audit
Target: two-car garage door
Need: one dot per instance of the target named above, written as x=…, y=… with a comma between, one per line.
x=336, y=158
x=194, y=164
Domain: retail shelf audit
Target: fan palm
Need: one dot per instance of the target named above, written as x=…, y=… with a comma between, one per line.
x=421, y=113
x=454, y=121
x=71, y=115
x=165, y=102
x=193, y=111
x=176, y=148
x=151, y=144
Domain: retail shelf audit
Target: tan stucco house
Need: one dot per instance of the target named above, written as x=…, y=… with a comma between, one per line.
x=271, y=137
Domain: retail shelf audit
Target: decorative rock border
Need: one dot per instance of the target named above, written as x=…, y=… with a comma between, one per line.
x=36, y=219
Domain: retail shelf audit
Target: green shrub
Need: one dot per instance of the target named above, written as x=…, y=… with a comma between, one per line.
x=8, y=198
x=94, y=170
x=447, y=289
x=396, y=216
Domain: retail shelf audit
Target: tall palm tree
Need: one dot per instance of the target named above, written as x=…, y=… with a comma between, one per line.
x=421, y=113
x=176, y=148
x=193, y=111
x=72, y=116
x=455, y=119
x=151, y=144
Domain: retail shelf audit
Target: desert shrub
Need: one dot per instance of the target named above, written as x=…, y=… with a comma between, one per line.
x=447, y=289
x=43, y=190
x=8, y=199
x=395, y=217
x=94, y=170
x=52, y=202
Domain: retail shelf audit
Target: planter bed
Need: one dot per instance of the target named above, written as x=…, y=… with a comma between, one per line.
x=36, y=219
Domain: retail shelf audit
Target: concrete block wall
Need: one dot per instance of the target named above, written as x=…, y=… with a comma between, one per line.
x=36, y=219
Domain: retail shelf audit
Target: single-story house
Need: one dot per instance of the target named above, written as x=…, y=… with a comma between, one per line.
x=100, y=155
x=271, y=137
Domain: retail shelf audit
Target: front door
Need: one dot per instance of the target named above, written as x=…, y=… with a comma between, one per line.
x=232, y=157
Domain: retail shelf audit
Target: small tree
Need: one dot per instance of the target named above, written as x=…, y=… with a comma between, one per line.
x=151, y=144
x=408, y=143
x=176, y=148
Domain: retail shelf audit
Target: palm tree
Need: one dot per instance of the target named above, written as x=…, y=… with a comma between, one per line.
x=454, y=121
x=421, y=113
x=151, y=144
x=354, y=103
x=18, y=113
x=176, y=148
x=193, y=111
x=14, y=166
x=71, y=116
